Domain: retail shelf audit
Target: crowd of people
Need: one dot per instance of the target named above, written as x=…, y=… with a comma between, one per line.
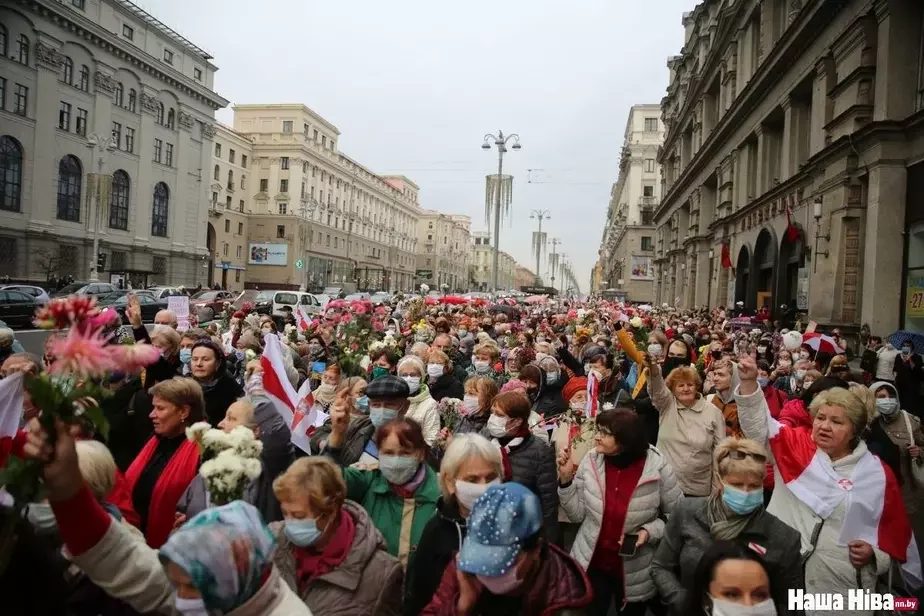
x=451, y=457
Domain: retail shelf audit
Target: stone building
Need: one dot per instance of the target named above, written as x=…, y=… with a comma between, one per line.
x=229, y=206
x=627, y=248
x=107, y=125
x=481, y=268
x=445, y=244
x=523, y=277
x=802, y=115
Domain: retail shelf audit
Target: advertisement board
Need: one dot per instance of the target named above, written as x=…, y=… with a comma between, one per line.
x=268, y=254
x=641, y=268
x=914, y=291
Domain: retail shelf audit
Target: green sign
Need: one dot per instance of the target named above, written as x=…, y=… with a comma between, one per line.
x=299, y=264
x=425, y=273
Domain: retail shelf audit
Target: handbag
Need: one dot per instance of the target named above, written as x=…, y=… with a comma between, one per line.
x=917, y=467
x=885, y=584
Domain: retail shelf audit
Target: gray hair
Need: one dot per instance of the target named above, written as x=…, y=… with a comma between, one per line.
x=420, y=349
x=415, y=362
x=6, y=337
x=97, y=466
x=461, y=449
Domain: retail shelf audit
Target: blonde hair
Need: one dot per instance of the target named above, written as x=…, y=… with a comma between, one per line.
x=97, y=467
x=754, y=461
x=168, y=335
x=482, y=386
x=723, y=363
x=182, y=391
x=854, y=405
x=461, y=449
x=683, y=374
x=318, y=479
x=487, y=347
x=441, y=357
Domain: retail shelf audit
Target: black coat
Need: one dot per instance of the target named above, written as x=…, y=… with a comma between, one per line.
x=447, y=386
x=219, y=396
x=533, y=465
x=550, y=402
x=438, y=545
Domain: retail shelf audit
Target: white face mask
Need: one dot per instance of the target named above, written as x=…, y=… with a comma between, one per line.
x=467, y=493
x=159, y=327
x=720, y=607
x=497, y=426
x=577, y=406
x=190, y=607
x=326, y=388
x=435, y=371
x=413, y=382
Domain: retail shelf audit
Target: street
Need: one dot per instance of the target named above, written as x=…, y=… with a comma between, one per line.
x=33, y=340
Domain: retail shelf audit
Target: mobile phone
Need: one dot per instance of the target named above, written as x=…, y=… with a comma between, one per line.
x=629, y=545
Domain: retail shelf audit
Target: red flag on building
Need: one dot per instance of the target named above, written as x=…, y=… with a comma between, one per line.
x=726, y=256
x=792, y=232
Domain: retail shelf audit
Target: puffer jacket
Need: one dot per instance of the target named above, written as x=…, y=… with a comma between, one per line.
x=656, y=495
x=532, y=463
x=423, y=410
x=368, y=581
x=441, y=540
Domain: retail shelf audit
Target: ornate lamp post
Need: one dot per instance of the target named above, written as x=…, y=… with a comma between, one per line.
x=500, y=187
x=98, y=145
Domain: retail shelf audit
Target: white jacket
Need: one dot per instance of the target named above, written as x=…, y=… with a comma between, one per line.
x=885, y=363
x=423, y=410
x=827, y=566
x=655, y=495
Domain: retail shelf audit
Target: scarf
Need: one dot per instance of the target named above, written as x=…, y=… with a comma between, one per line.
x=726, y=524
x=310, y=564
x=505, y=449
x=176, y=477
x=325, y=400
x=407, y=490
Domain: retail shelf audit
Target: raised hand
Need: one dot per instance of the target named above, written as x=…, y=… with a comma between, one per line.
x=565, y=466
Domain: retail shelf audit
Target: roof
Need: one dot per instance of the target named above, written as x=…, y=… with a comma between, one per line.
x=162, y=28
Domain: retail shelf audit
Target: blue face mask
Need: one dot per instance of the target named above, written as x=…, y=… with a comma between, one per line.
x=742, y=502
x=362, y=403
x=398, y=469
x=302, y=532
x=886, y=406
x=185, y=356
x=381, y=415
x=763, y=381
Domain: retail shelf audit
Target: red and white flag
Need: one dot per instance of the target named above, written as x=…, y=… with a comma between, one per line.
x=593, y=386
x=11, y=400
x=295, y=407
x=304, y=322
x=874, y=509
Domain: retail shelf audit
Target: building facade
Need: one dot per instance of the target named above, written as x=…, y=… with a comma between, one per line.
x=627, y=248
x=229, y=205
x=317, y=217
x=445, y=244
x=481, y=268
x=792, y=153
x=107, y=125
x=523, y=277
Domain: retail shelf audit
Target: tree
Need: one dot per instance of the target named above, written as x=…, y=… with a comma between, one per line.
x=47, y=262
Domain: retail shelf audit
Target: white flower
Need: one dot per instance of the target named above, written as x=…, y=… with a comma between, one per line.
x=424, y=288
x=635, y=322
x=195, y=431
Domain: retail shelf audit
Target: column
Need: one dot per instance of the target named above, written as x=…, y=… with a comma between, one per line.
x=143, y=197
x=207, y=135
x=824, y=72
x=789, y=126
x=899, y=35
x=43, y=106
x=183, y=214
x=883, y=259
x=762, y=182
x=703, y=274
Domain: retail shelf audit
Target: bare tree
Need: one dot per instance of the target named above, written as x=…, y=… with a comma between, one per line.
x=47, y=261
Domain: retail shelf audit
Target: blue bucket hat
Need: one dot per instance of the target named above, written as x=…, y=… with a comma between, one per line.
x=501, y=519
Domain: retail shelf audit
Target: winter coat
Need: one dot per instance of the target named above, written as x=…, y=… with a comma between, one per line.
x=219, y=396
x=474, y=423
x=795, y=415
x=368, y=581
x=687, y=436
x=441, y=540
x=533, y=465
x=359, y=432
x=653, y=498
x=550, y=403
x=560, y=588
x=423, y=410
x=447, y=386
x=688, y=536
x=276, y=457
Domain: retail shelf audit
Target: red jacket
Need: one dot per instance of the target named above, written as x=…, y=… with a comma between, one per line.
x=795, y=415
x=560, y=584
x=776, y=400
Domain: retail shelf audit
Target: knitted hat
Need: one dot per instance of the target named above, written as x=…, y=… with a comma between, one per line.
x=574, y=385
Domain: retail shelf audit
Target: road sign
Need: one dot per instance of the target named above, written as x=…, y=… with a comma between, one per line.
x=299, y=264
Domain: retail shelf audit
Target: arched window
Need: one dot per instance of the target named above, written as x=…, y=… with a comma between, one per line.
x=217, y=173
x=84, y=78
x=4, y=39
x=118, y=201
x=70, y=180
x=132, y=99
x=119, y=94
x=230, y=179
x=67, y=71
x=160, y=210
x=160, y=113
x=10, y=174
x=22, y=49
x=171, y=116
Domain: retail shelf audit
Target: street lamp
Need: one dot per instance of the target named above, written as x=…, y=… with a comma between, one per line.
x=540, y=215
x=104, y=144
x=500, y=142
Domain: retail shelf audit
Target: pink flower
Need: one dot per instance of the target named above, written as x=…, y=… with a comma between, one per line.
x=381, y=310
x=131, y=358
x=358, y=308
x=378, y=326
x=85, y=354
x=64, y=312
x=347, y=318
x=104, y=319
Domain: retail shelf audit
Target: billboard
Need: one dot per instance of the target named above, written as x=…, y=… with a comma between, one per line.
x=268, y=254
x=642, y=268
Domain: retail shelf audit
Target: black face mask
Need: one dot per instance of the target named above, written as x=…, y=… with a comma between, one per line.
x=672, y=362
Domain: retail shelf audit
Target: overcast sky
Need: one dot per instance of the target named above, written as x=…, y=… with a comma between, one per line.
x=414, y=85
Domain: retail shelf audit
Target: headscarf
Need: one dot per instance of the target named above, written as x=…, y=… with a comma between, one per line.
x=225, y=551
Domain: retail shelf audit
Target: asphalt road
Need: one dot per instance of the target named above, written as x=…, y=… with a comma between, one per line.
x=33, y=340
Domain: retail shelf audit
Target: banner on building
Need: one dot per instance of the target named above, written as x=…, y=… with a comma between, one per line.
x=802, y=289
x=642, y=268
x=914, y=291
x=268, y=254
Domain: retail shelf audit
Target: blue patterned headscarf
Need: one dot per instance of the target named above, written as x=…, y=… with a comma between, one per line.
x=226, y=551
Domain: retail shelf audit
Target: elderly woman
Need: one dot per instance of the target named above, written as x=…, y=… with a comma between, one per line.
x=441, y=380
x=168, y=341
x=690, y=428
x=423, y=407
x=814, y=469
x=568, y=435
x=329, y=551
x=470, y=465
x=220, y=389
x=476, y=404
x=326, y=390
x=622, y=490
x=484, y=357
x=735, y=512
x=358, y=434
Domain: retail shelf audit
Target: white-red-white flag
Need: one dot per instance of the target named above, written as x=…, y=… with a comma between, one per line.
x=593, y=386
x=11, y=400
x=304, y=321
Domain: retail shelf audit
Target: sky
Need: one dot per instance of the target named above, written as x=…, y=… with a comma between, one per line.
x=414, y=85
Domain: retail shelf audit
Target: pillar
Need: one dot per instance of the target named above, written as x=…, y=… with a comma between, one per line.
x=899, y=36
x=762, y=182
x=143, y=199
x=786, y=170
x=43, y=105
x=883, y=258
x=825, y=72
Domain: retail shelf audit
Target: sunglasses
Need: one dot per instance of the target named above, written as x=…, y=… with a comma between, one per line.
x=741, y=455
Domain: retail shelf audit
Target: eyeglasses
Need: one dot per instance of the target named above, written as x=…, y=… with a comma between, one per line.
x=737, y=454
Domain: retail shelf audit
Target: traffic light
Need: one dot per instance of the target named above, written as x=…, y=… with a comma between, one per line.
x=100, y=261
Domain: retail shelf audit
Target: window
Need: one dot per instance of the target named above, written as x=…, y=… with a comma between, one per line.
x=2, y=93
x=230, y=179
x=168, y=56
x=651, y=125
x=214, y=198
x=80, y=4
x=128, y=32
x=244, y=161
x=168, y=155
x=160, y=210
x=171, y=118
x=22, y=49
x=159, y=265
x=280, y=231
x=323, y=141
x=647, y=217
x=231, y=156
x=240, y=228
x=130, y=140
x=647, y=243
x=228, y=203
x=283, y=209
x=197, y=74
x=160, y=114
x=305, y=130
x=118, y=201
x=82, y=123
x=84, y=83
x=10, y=174
x=217, y=173
x=241, y=209
x=64, y=116
x=158, y=149
x=20, y=99
x=283, y=186
x=243, y=181
x=264, y=185
x=287, y=126
x=132, y=99
x=70, y=180
x=224, y=248
x=238, y=272
x=285, y=162
x=67, y=71
x=217, y=152
x=648, y=190
x=649, y=165
x=227, y=226
x=119, y=94
x=117, y=134
x=315, y=135
x=4, y=40
x=328, y=240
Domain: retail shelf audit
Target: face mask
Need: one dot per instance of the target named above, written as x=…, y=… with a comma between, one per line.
x=159, y=327
x=413, y=382
x=497, y=426
x=326, y=388
x=784, y=363
x=42, y=517
x=763, y=381
x=761, y=349
x=381, y=415
x=503, y=584
x=191, y=607
x=577, y=406
x=379, y=371
x=435, y=371
x=886, y=406
x=302, y=532
x=800, y=374
x=470, y=404
x=906, y=351
x=513, y=373
x=398, y=469
x=720, y=607
x=392, y=331
x=467, y=493
x=481, y=365
x=362, y=403
x=655, y=349
x=185, y=356
x=551, y=377
x=463, y=333
x=742, y=502
x=267, y=330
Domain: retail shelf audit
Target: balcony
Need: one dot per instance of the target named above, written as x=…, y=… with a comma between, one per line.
x=215, y=210
x=648, y=202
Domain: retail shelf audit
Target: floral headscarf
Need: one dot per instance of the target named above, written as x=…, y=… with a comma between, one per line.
x=226, y=551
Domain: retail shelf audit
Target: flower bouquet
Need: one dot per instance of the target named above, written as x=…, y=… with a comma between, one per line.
x=231, y=460
x=355, y=331
x=450, y=410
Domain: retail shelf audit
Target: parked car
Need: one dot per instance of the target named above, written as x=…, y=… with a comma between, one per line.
x=41, y=295
x=357, y=297
x=16, y=308
x=207, y=304
x=95, y=289
x=277, y=303
x=162, y=292
x=119, y=301
x=381, y=297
